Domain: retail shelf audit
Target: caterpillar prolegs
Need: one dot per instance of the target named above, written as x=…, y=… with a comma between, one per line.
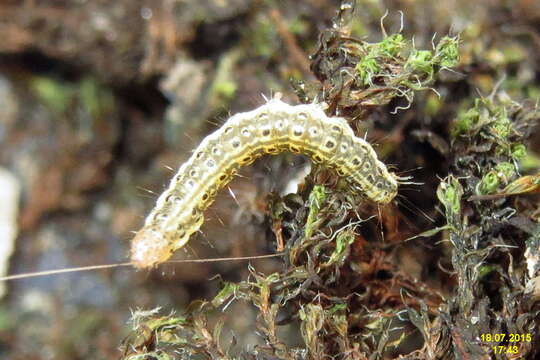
x=270, y=129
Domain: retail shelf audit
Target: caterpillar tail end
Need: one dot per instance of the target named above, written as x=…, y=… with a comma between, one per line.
x=149, y=249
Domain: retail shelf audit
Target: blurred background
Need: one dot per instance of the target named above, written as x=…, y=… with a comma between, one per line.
x=99, y=99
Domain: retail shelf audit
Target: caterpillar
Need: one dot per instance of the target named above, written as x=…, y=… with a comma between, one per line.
x=270, y=129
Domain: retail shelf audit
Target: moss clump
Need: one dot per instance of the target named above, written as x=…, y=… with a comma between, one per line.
x=316, y=199
x=385, y=70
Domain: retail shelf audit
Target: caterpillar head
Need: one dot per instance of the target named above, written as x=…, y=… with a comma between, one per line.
x=385, y=189
x=149, y=248
x=381, y=188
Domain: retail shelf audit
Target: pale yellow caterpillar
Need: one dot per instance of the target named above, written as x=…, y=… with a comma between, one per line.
x=270, y=129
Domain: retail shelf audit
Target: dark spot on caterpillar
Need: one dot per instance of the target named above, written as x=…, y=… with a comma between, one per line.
x=246, y=160
x=263, y=116
x=161, y=217
x=173, y=198
x=294, y=149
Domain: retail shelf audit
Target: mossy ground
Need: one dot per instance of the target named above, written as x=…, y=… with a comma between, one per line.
x=340, y=284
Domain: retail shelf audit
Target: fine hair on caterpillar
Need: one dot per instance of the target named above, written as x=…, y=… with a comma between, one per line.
x=270, y=129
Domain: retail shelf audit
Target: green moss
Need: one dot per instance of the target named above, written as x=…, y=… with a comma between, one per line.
x=343, y=242
x=519, y=151
x=447, y=52
x=392, y=45
x=420, y=61
x=392, y=66
x=338, y=308
x=367, y=67
x=449, y=194
x=316, y=199
x=505, y=171
x=501, y=127
x=489, y=183
x=330, y=284
x=227, y=291
x=465, y=122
